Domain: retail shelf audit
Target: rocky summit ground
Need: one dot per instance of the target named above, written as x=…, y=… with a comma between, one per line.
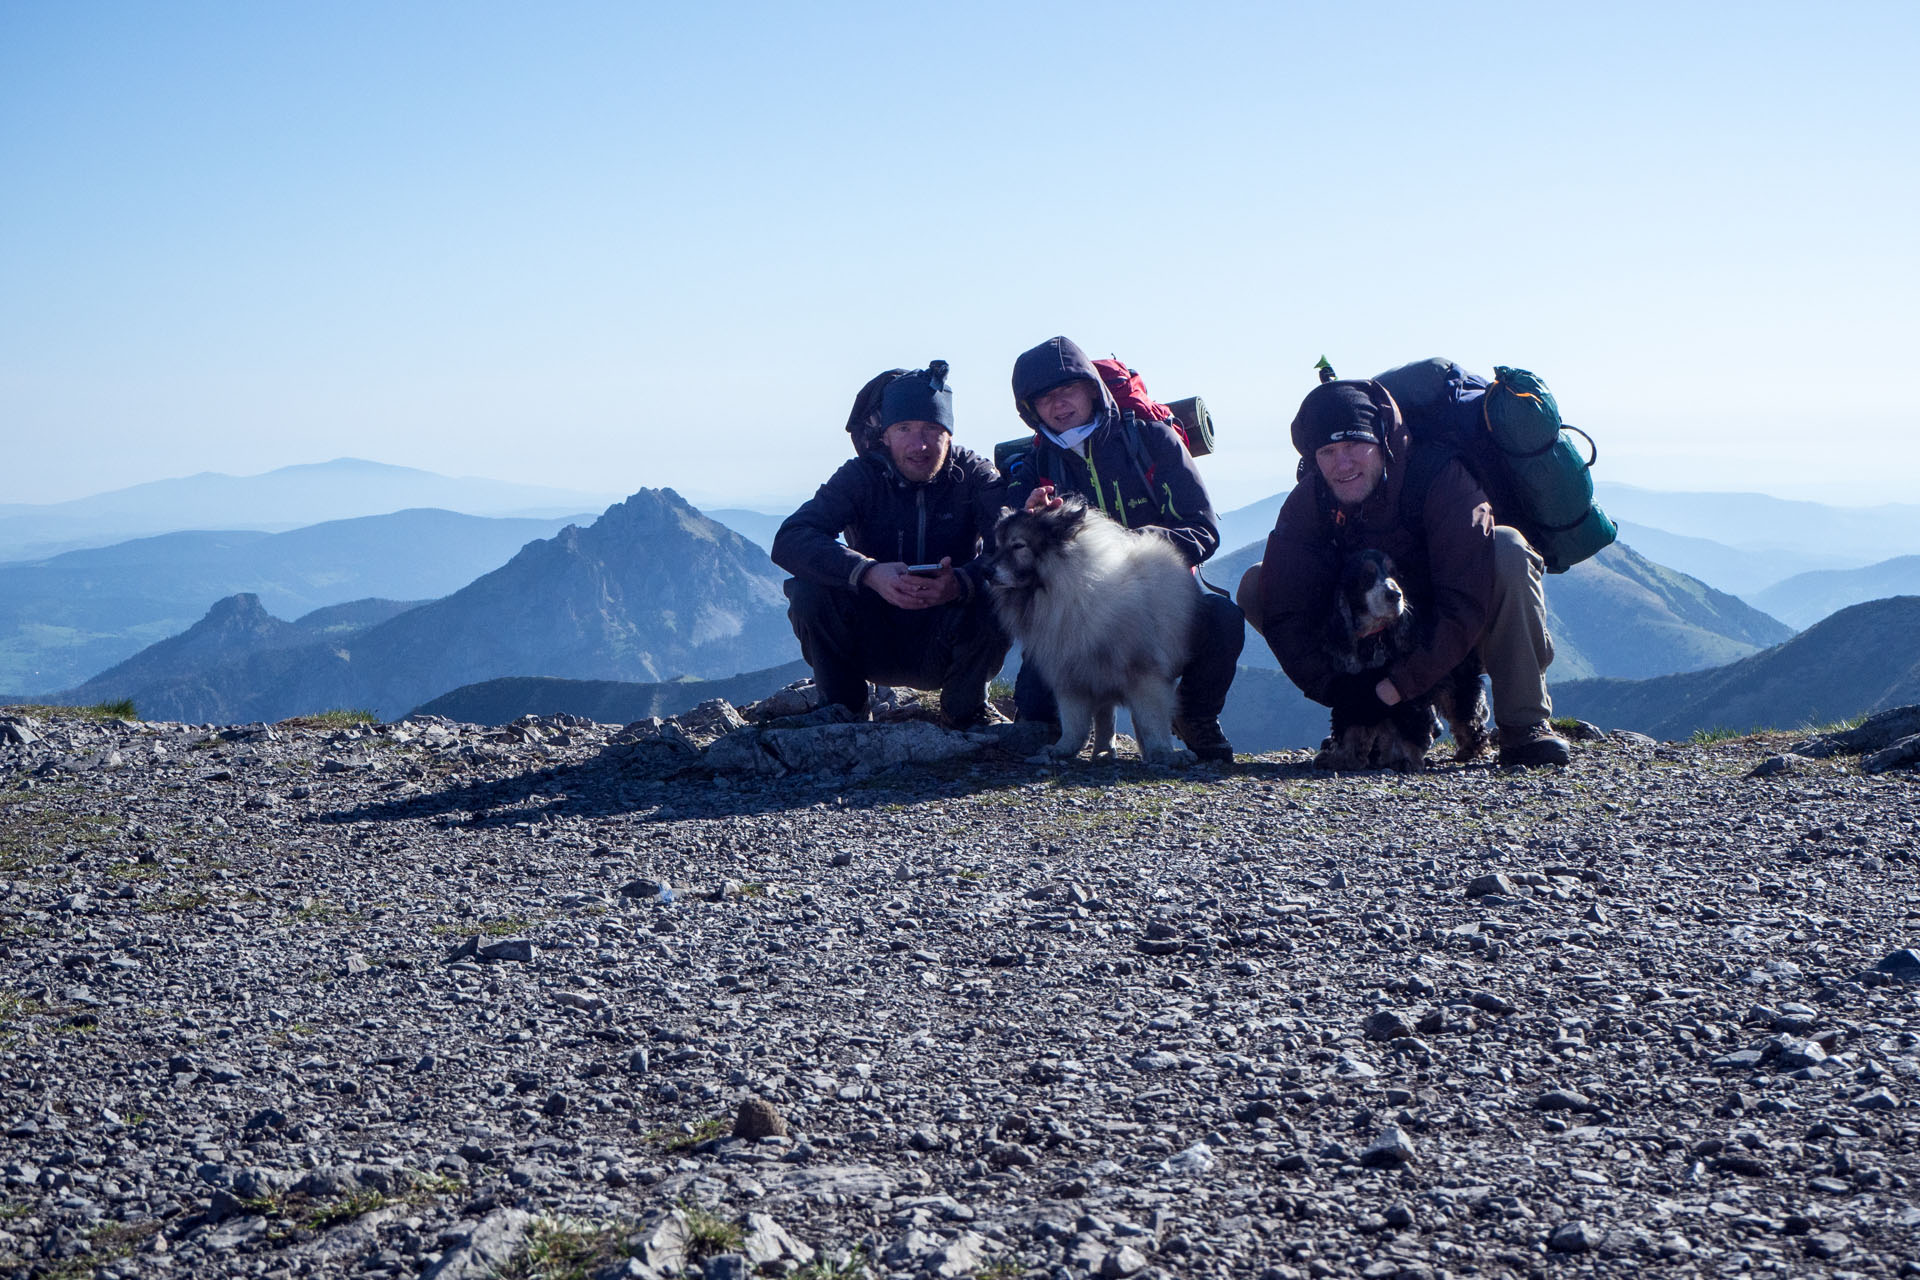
x=331, y=999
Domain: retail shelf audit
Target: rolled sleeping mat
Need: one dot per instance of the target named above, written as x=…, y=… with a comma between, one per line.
x=1192, y=414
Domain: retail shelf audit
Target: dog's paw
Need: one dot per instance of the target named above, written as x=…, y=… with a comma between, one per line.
x=1172, y=758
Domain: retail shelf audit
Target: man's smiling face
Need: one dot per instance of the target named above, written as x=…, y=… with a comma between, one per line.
x=1351, y=468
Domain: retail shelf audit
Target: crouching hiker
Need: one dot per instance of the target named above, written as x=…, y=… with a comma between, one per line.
x=885, y=557
x=1139, y=472
x=1363, y=485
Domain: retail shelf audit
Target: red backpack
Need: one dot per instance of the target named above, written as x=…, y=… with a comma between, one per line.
x=1188, y=417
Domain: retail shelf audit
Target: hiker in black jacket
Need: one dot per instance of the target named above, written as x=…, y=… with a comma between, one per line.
x=1139, y=472
x=885, y=557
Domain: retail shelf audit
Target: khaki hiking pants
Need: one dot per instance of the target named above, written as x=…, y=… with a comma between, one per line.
x=1515, y=646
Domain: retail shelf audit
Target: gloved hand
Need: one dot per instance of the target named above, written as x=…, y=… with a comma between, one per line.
x=1354, y=698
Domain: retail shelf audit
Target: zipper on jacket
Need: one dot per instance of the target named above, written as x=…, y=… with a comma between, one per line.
x=920, y=521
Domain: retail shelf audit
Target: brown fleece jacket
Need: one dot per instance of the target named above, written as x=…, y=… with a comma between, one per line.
x=1445, y=561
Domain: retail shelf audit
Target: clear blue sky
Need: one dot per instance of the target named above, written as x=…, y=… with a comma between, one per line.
x=607, y=245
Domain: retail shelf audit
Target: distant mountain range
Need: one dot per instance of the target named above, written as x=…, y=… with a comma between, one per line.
x=1741, y=543
x=1806, y=598
x=757, y=527
x=1756, y=522
x=1861, y=659
x=1742, y=571
x=64, y=618
x=652, y=590
x=1618, y=614
x=286, y=498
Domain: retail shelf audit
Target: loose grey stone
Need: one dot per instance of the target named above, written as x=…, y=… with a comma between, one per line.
x=1572, y=1237
x=1492, y=882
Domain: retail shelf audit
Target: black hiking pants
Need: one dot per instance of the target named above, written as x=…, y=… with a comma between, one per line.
x=1213, y=652
x=852, y=636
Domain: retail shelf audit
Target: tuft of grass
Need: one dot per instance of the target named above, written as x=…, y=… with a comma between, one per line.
x=564, y=1249
x=12, y=1007
x=1719, y=733
x=708, y=1234
x=337, y=718
x=847, y=1265
x=689, y=1136
x=1835, y=726
x=332, y=1214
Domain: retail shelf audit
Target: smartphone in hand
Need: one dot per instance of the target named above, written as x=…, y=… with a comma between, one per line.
x=924, y=570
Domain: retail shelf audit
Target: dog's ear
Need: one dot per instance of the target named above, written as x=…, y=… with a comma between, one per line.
x=1340, y=624
x=1006, y=514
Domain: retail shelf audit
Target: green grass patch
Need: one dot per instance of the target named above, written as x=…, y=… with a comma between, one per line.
x=1835, y=726
x=1719, y=733
x=338, y=718
x=121, y=709
x=709, y=1234
x=334, y=1212
x=565, y=1249
x=846, y=1265
x=688, y=1136
x=14, y=1007
x=30, y=837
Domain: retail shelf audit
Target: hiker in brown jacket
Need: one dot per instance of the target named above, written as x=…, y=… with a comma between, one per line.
x=1479, y=581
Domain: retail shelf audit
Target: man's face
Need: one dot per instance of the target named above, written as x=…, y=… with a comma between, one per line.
x=1351, y=468
x=918, y=449
x=1066, y=406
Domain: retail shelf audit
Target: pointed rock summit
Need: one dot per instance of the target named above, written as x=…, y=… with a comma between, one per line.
x=652, y=590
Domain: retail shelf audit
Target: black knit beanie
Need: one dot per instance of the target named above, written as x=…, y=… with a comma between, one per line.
x=919, y=396
x=1348, y=409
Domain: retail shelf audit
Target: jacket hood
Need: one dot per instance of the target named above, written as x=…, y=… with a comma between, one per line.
x=1053, y=362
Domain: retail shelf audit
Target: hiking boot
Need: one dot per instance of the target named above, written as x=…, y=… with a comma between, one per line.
x=967, y=721
x=1533, y=746
x=1203, y=737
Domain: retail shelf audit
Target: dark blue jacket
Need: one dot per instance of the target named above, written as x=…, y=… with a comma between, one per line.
x=884, y=517
x=1137, y=471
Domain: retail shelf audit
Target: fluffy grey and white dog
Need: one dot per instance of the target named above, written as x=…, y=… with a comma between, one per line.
x=1102, y=613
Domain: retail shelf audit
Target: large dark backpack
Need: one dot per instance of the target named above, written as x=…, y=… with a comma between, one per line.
x=1508, y=433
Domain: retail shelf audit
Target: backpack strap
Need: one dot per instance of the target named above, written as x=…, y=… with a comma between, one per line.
x=1425, y=462
x=1136, y=449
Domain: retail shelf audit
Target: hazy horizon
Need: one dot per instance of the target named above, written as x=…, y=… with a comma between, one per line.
x=606, y=240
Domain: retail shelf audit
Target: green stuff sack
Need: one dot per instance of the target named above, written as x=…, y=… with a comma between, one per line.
x=1546, y=469
x=1521, y=412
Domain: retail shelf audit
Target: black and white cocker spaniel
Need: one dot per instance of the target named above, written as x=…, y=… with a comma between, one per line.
x=1371, y=626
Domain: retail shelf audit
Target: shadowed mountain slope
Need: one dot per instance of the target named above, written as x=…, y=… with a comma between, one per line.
x=1861, y=659
x=1618, y=614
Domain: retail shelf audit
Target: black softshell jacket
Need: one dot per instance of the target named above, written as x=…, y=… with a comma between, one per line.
x=867, y=512
x=1169, y=499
